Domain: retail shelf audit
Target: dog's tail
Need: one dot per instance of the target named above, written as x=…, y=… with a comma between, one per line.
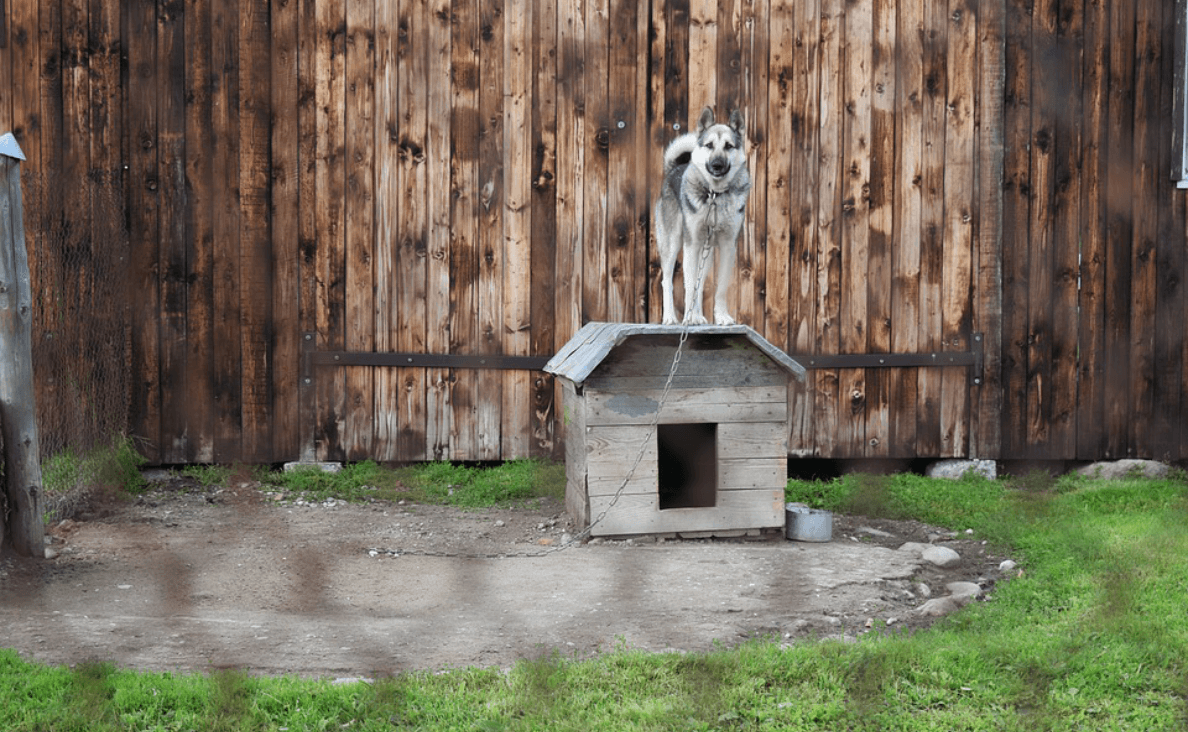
x=680, y=151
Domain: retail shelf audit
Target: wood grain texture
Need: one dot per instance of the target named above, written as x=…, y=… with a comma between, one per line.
x=448, y=176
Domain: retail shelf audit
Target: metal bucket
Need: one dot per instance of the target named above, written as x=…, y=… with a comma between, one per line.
x=802, y=523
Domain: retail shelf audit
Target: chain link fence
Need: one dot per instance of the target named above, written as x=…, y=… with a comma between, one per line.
x=79, y=260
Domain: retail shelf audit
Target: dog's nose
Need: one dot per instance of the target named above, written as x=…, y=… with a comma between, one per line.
x=719, y=167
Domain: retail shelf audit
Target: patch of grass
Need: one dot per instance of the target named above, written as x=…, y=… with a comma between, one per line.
x=506, y=484
x=71, y=479
x=443, y=483
x=355, y=482
x=208, y=475
x=973, y=502
x=1090, y=637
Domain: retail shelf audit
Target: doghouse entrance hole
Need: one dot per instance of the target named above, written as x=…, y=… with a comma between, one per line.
x=688, y=456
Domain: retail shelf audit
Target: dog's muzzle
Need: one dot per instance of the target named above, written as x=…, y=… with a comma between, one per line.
x=718, y=167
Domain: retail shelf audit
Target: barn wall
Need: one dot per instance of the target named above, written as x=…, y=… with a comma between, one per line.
x=465, y=177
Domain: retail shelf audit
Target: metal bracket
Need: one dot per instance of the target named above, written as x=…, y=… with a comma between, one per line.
x=973, y=358
x=313, y=358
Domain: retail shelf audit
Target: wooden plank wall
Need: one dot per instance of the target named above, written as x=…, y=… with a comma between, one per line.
x=450, y=176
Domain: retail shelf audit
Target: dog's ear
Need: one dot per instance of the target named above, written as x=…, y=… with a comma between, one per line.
x=706, y=120
x=736, y=121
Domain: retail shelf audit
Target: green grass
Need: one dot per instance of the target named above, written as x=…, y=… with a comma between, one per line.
x=71, y=478
x=469, y=486
x=1092, y=636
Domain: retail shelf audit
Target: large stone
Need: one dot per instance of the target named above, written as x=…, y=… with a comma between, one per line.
x=956, y=469
x=1128, y=468
x=941, y=556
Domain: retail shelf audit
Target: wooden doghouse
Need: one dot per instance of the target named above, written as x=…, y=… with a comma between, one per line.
x=714, y=447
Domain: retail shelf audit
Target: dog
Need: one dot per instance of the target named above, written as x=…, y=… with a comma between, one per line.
x=701, y=208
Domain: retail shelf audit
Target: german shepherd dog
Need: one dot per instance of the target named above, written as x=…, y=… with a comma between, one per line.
x=700, y=209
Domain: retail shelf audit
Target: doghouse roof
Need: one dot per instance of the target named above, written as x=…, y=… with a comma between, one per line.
x=578, y=358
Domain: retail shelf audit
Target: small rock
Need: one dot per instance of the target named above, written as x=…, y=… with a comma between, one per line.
x=1007, y=565
x=51, y=553
x=874, y=532
x=941, y=556
x=500, y=523
x=922, y=589
x=957, y=469
x=963, y=590
x=913, y=547
x=938, y=607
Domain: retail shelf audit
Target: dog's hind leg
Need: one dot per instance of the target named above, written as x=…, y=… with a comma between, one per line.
x=727, y=253
x=669, y=248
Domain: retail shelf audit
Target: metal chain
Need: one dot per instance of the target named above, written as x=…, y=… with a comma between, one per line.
x=581, y=535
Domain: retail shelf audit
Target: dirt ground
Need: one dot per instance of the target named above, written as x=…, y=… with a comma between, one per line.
x=187, y=578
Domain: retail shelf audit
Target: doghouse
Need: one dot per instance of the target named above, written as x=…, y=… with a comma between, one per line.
x=714, y=447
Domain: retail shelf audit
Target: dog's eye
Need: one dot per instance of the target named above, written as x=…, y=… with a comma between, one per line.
x=730, y=146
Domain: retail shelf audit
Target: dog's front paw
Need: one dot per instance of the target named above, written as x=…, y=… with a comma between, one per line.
x=695, y=319
x=669, y=319
x=723, y=319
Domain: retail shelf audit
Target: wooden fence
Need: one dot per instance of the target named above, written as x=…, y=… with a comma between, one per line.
x=463, y=178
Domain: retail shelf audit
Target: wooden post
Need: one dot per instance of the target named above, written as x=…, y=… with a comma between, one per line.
x=20, y=504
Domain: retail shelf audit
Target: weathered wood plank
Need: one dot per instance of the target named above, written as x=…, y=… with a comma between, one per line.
x=517, y=226
x=1041, y=241
x=284, y=215
x=464, y=194
x=635, y=514
x=411, y=272
x=256, y=259
x=723, y=404
x=389, y=392
x=570, y=173
x=307, y=215
x=986, y=406
x=144, y=412
x=826, y=385
x=544, y=222
x=1149, y=172
x=881, y=239
x=853, y=324
x=330, y=95
x=573, y=429
x=491, y=197
x=958, y=247
x=439, y=383
x=934, y=100
x=227, y=254
x=781, y=72
x=903, y=384
x=359, y=219
x=805, y=113
x=200, y=224
x=595, y=274
x=1016, y=224
x=1066, y=244
x=1090, y=440
x=1118, y=182
x=1168, y=431
x=627, y=191
x=655, y=138
x=183, y=430
x=703, y=54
